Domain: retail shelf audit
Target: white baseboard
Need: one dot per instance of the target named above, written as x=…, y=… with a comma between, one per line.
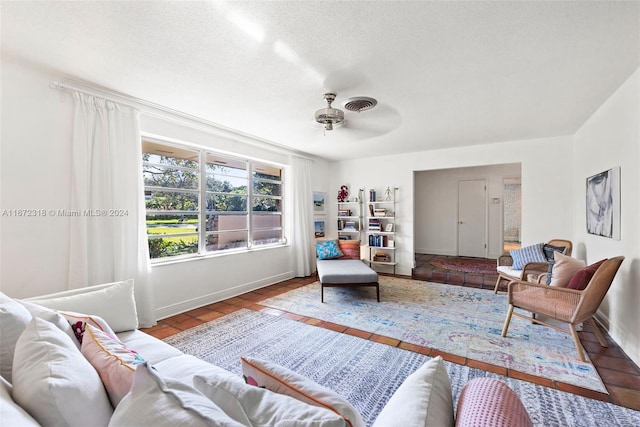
x=630, y=346
x=183, y=306
x=432, y=251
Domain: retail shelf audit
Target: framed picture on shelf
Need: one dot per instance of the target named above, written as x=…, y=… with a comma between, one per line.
x=388, y=228
x=318, y=226
x=319, y=202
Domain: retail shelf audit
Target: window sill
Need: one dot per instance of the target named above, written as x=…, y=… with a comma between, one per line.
x=190, y=258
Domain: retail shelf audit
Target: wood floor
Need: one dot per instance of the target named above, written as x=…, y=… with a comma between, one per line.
x=620, y=375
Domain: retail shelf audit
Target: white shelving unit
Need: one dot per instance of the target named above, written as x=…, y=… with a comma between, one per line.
x=380, y=228
x=349, y=220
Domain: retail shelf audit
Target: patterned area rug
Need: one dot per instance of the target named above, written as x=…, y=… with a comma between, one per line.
x=476, y=265
x=367, y=373
x=455, y=319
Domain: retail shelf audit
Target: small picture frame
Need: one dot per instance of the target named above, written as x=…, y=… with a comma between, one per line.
x=319, y=202
x=389, y=228
x=318, y=228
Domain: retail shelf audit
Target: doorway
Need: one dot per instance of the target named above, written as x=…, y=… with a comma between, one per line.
x=472, y=218
x=512, y=214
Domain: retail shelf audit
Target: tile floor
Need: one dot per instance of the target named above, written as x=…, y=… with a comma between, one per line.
x=620, y=375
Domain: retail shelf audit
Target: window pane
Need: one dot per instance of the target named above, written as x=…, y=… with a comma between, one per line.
x=226, y=175
x=266, y=188
x=226, y=222
x=228, y=240
x=226, y=203
x=171, y=200
x=268, y=172
x=165, y=176
x=267, y=221
x=172, y=234
x=267, y=204
x=266, y=237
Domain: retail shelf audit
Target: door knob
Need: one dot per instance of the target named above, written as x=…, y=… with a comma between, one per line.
x=460, y=222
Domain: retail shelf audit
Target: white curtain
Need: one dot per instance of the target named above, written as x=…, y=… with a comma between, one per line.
x=108, y=238
x=302, y=233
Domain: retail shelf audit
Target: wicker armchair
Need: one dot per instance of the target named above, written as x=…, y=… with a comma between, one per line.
x=536, y=268
x=566, y=305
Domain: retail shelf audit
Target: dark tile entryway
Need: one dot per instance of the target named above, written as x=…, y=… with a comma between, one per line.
x=424, y=270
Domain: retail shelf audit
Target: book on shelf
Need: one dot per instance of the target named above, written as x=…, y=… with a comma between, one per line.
x=376, y=240
x=372, y=195
x=379, y=212
x=371, y=210
x=344, y=212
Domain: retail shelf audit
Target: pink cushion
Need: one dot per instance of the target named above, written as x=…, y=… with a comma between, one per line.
x=488, y=402
x=350, y=249
x=581, y=279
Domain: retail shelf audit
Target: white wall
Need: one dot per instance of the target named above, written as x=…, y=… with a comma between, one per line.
x=547, y=206
x=36, y=164
x=436, y=207
x=611, y=137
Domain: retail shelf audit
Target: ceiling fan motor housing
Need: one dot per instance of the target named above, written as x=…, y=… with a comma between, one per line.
x=329, y=116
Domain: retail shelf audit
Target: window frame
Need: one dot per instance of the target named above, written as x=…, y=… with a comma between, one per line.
x=203, y=192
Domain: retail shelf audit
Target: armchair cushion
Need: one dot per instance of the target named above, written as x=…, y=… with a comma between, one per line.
x=564, y=269
x=582, y=277
x=549, y=250
x=533, y=253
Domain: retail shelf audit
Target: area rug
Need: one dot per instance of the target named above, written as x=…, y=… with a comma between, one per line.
x=460, y=320
x=367, y=373
x=466, y=265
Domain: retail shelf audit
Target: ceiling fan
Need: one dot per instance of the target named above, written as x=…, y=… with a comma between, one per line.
x=331, y=118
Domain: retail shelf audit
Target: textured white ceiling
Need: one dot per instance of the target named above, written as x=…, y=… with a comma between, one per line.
x=445, y=73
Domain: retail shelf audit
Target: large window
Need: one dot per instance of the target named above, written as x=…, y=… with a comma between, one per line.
x=201, y=202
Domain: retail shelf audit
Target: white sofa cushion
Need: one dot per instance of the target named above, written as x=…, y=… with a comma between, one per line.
x=116, y=364
x=14, y=318
x=54, y=382
x=281, y=380
x=11, y=414
x=152, y=349
x=423, y=399
x=254, y=406
x=114, y=302
x=156, y=400
x=509, y=271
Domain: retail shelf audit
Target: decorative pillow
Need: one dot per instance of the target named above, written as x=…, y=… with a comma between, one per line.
x=350, y=249
x=53, y=381
x=79, y=322
x=166, y=402
x=328, y=249
x=281, y=380
x=563, y=269
x=115, y=363
x=581, y=279
x=533, y=253
x=14, y=318
x=548, y=254
x=253, y=406
x=423, y=399
x=11, y=414
x=50, y=316
x=115, y=304
x=489, y=402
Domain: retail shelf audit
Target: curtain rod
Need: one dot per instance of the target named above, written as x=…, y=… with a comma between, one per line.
x=202, y=124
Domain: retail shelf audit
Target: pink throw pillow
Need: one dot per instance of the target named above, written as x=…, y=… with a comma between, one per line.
x=581, y=279
x=488, y=402
x=350, y=249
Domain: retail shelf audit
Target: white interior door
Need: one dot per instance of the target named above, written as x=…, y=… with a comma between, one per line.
x=472, y=218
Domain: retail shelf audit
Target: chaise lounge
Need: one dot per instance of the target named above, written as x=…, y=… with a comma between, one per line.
x=339, y=265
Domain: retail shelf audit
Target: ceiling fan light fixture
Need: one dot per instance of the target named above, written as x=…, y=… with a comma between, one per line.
x=330, y=117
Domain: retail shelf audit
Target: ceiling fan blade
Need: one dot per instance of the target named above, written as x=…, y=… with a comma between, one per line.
x=344, y=80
